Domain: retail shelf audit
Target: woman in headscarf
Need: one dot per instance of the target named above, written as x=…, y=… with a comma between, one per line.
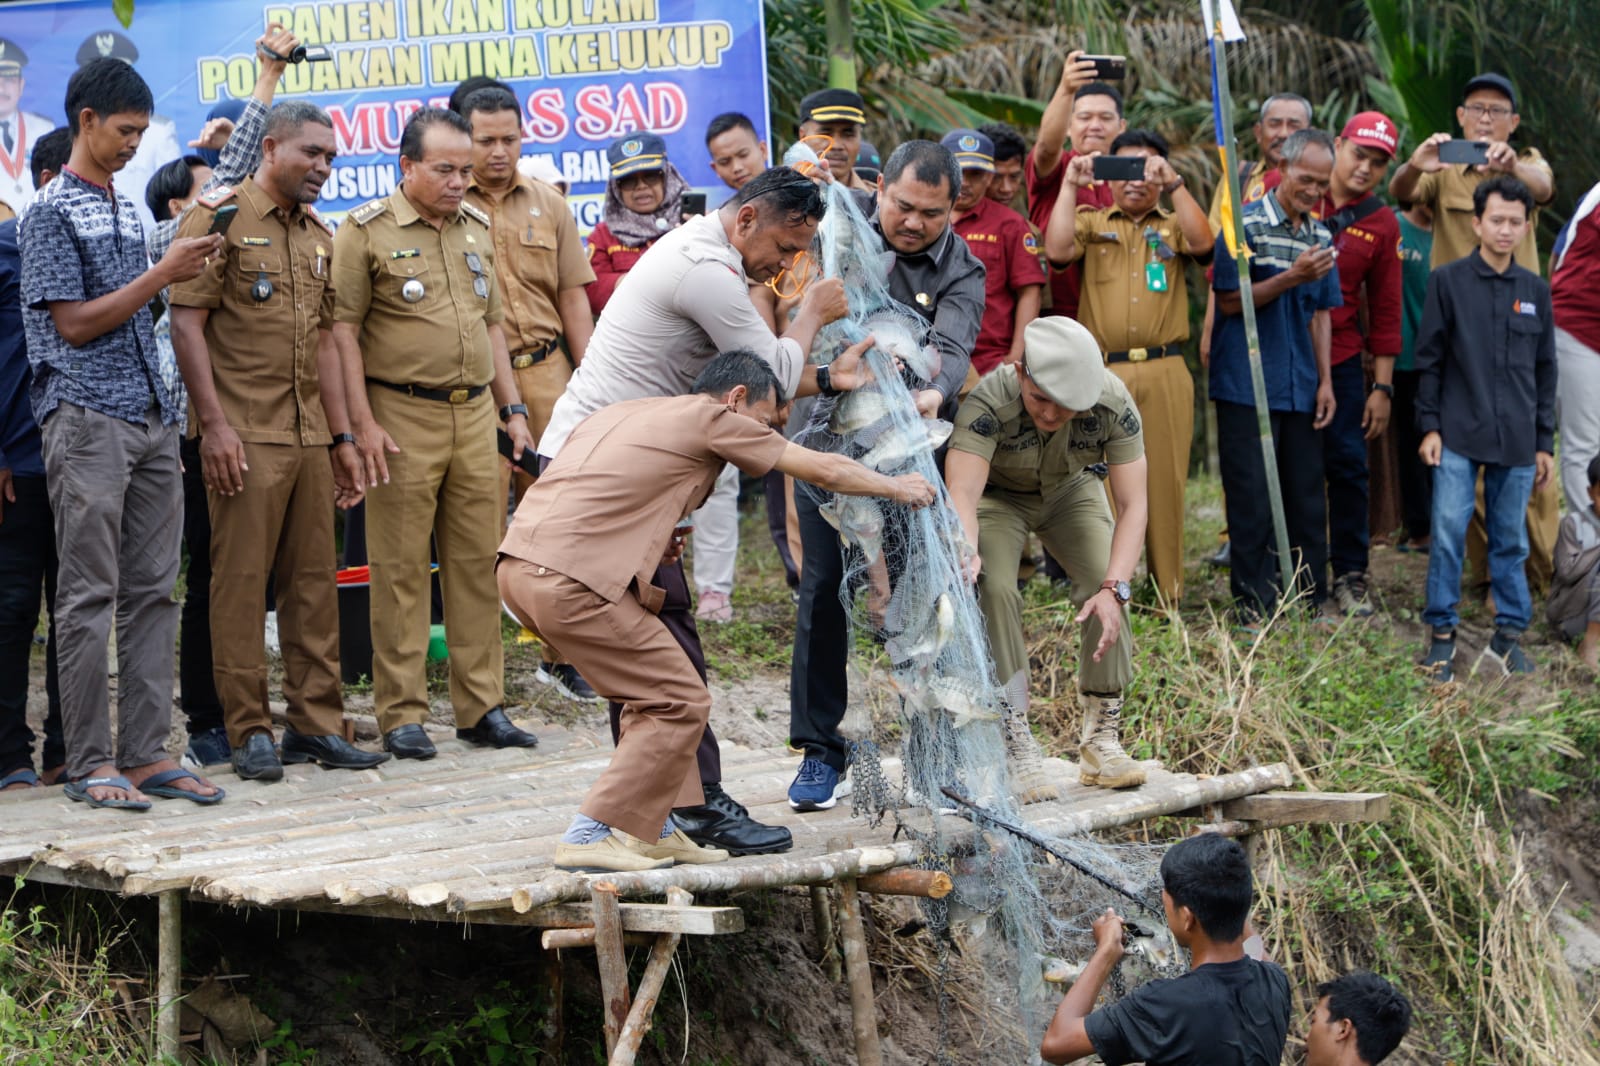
x=644, y=200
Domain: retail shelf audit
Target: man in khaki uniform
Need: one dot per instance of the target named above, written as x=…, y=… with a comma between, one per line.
x=1488, y=112
x=253, y=342
x=1022, y=460
x=417, y=321
x=1136, y=304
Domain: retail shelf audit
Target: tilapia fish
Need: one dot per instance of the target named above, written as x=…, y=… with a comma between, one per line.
x=927, y=642
x=893, y=336
x=898, y=445
x=857, y=410
x=965, y=701
x=859, y=521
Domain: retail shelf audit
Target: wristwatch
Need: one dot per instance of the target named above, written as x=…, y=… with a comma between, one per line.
x=825, y=381
x=513, y=409
x=342, y=438
x=1383, y=387
x=1173, y=186
x=1120, y=589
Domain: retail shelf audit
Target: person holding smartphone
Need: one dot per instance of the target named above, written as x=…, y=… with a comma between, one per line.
x=644, y=202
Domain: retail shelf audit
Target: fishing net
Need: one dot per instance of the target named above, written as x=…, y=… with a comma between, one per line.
x=1020, y=913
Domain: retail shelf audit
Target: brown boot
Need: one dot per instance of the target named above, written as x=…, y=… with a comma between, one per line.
x=1101, y=760
x=1028, y=774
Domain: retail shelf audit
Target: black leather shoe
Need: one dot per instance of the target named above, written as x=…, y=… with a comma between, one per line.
x=334, y=752
x=494, y=730
x=722, y=822
x=409, y=742
x=257, y=759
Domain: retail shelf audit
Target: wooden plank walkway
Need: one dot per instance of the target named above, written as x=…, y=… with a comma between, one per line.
x=469, y=835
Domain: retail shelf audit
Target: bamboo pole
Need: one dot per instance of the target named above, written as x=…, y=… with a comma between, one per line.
x=644, y=1001
x=169, y=976
x=858, y=970
x=612, y=960
x=822, y=918
x=905, y=881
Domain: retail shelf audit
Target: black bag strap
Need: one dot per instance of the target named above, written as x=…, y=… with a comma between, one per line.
x=1350, y=214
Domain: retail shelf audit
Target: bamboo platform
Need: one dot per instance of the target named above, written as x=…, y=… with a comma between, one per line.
x=468, y=837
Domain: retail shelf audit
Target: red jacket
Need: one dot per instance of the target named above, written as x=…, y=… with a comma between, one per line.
x=610, y=259
x=1369, y=258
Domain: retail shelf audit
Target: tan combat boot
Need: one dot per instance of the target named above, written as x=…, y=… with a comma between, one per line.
x=1028, y=775
x=1101, y=760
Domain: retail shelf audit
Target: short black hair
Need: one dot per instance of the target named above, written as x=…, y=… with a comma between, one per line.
x=1008, y=143
x=1100, y=88
x=1507, y=188
x=458, y=97
x=785, y=195
x=491, y=100
x=107, y=87
x=739, y=366
x=174, y=181
x=729, y=120
x=1594, y=464
x=417, y=126
x=1141, y=139
x=51, y=153
x=1210, y=875
x=287, y=116
x=1380, y=1013
x=929, y=162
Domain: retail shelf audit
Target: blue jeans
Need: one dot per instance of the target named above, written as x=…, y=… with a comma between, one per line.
x=1505, y=492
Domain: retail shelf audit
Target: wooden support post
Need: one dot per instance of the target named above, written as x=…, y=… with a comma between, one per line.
x=169, y=975
x=566, y=939
x=863, y=1007
x=613, y=961
x=655, y=975
x=930, y=884
x=822, y=918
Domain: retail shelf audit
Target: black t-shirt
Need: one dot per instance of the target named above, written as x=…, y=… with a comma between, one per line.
x=1220, y=1014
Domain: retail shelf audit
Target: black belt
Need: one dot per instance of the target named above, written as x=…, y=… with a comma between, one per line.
x=1139, y=355
x=461, y=395
x=534, y=356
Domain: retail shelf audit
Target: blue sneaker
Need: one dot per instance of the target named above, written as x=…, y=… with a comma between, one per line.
x=815, y=787
x=207, y=748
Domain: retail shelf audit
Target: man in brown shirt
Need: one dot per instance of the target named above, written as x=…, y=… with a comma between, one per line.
x=577, y=565
x=417, y=321
x=252, y=336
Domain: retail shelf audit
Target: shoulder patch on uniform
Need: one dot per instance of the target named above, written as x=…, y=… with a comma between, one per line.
x=475, y=212
x=985, y=425
x=312, y=213
x=218, y=196
x=367, y=211
x=1129, y=421
x=1030, y=242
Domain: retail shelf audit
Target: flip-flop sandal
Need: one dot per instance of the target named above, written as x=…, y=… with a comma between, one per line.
x=79, y=791
x=24, y=776
x=162, y=785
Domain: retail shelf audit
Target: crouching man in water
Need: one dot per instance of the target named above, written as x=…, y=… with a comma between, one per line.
x=576, y=566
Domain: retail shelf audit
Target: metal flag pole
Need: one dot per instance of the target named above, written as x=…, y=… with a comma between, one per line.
x=1233, y=233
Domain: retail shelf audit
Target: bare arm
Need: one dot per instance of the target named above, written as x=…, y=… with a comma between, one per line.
x=1067, y=1039
x=504, y=388
x=1424, y=160
x=577, y=324
x=348, y=481
x=81, y=321
x=1057, y=118
x=1129, y=487
x=836, y=473
x=965, y=476
x=1313, y=263
x=1061, y=232
x=1029, y=297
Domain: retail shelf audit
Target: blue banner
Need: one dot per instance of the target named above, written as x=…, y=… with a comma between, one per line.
x=586, y=71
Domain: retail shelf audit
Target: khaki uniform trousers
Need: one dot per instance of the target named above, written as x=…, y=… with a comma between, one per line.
x=282, y=525
x=441, y=484
x=1163, y=390
x=1074, y=524
x=540, y=386
x=630, y=657
x=1544, y=523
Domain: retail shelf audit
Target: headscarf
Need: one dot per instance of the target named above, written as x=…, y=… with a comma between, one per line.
x=632, y=228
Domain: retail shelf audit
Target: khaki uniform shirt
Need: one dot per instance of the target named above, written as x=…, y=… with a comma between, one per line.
x=538, y=254
x=1449, y=193
x=441, y=340
x=1252, y=186
x=603, y=511
x=993, y=425
x=264, y=351
x=1116, y=303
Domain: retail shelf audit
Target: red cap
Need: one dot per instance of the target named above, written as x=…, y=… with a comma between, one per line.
x=1372, y=129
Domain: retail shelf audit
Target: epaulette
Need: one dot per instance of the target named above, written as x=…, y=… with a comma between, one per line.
x=318, y=219
x=367, y=211
x=477, y=213
x=218, y=196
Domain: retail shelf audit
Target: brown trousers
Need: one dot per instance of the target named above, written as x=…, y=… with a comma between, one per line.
x=1163, y=390
x=282, y=525
x=629, y=656
x=441, y=485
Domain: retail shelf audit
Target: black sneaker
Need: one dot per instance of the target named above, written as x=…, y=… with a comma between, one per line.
x=1504, y=655
x=1440, y=660
x=564, y=677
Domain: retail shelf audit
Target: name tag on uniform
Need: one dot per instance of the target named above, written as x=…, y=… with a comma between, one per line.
x=1523, y=307
x=405, y=253
x=256, y=242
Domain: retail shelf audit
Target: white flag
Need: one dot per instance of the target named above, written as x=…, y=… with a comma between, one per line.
x=1231, y=30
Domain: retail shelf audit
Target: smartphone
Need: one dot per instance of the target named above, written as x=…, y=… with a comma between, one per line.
x=1118, y=167
x=1108, y=68
x=694, y=203
x=529, y=461
x=1459, y=151
x=223, y=218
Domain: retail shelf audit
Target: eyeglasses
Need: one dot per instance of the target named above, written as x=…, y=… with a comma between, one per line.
x=1492, y=110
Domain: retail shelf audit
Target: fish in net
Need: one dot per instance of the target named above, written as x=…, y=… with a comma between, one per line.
x=1019, y=911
